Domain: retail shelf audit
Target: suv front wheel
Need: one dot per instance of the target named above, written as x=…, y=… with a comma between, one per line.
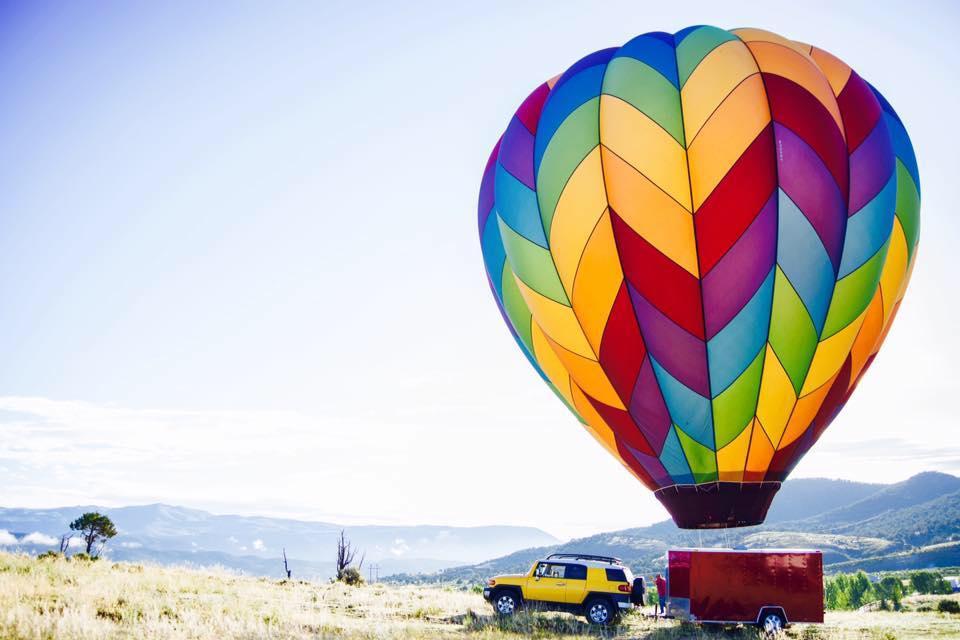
x=505, y=602
x=599, y=611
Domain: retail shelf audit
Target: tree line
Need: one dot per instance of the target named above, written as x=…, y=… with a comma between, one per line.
x=852, y=591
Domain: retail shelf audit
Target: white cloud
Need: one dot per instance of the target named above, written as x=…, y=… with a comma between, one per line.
x=7, y=539
x=258, y=544
x=270, y=462
x=131, y=545
x=232, y=540
x=40, y=538
x=400, y=547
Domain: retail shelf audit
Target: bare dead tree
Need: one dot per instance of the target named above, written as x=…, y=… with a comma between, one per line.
x=346, y=554
x=65, y=542
x=286, y=567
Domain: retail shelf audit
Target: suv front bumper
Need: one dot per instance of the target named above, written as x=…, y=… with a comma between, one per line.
x=486, y=593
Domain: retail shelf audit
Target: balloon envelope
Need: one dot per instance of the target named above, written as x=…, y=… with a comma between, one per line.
x=700, y=241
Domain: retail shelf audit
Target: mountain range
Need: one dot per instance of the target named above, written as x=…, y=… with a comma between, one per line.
x=178, y=535
x=910, y=524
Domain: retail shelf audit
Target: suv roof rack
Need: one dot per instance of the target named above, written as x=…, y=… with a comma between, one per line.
x=586, y=556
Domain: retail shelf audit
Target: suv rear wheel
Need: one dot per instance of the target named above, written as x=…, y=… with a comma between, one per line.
x=599, y=611
x=505, y=602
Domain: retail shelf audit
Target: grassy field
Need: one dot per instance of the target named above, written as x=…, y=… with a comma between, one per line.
x=75, y=600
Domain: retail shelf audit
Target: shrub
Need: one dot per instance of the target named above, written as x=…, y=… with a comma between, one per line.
x=351, y=576
x=948, y=606
x=48, y=555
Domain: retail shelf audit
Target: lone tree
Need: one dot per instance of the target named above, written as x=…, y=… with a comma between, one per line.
x=345, y=556
x=95, y=529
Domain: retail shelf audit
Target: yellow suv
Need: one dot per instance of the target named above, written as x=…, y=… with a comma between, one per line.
x=597, y=587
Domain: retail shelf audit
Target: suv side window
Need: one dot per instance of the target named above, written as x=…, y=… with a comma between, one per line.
x=616, y=575
x=576, y=572
x=550, y=570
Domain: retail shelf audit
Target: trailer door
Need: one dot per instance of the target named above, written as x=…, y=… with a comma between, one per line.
x=678, y=584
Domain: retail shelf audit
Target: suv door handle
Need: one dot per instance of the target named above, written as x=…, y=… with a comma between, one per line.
x=561, y=584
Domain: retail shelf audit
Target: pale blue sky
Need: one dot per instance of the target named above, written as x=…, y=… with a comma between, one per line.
x=239, y=264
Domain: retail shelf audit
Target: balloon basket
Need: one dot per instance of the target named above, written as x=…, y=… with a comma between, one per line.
x=718, y=505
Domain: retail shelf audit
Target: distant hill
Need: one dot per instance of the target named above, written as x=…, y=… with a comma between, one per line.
x=910, y=524
x=177, y=535
x=808, y=497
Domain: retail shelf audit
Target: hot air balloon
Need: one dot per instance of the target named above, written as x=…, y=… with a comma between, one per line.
x=700, y=241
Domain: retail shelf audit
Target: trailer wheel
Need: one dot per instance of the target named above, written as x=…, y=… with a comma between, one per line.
x=772, y=621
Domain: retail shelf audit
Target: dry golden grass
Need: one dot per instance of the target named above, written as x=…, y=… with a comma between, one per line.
x=78, y=600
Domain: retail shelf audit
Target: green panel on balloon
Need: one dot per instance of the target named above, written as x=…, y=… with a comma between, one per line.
x=735, y=407
x=533, y=265
x=642, y=86
x=574, y=140
x=702, y=460
x=792, y=334
x=695, y=46
x=854, y=292
x=516, y=308
x=908, y=207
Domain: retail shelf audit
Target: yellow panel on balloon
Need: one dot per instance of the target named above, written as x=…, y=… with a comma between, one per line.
x=589, y=375
x=750, y=34
x=599, y=278
x=777, y=396
x=582, y=202
x=556, y=320
x=655, y=216
x=717, y=75
x=830, y=355
x=647, y=146
x=894, y=271
x=760, y=455
x=834, y=69
x=726, y=135
x=732, y=458
x=550, y=364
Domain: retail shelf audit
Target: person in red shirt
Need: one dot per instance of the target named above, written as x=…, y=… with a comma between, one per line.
x=661, y=594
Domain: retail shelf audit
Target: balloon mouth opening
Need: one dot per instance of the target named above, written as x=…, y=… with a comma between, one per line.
x=718, y=505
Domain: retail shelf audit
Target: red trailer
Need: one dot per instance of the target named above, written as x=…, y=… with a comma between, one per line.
x=767, y=587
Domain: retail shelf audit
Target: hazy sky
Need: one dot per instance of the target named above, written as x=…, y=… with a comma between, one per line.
x=239, y=266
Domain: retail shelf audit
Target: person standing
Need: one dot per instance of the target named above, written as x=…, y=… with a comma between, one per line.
x=661, y=595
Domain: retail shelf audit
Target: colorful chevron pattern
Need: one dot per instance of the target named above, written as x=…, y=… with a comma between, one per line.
x=700, y=242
